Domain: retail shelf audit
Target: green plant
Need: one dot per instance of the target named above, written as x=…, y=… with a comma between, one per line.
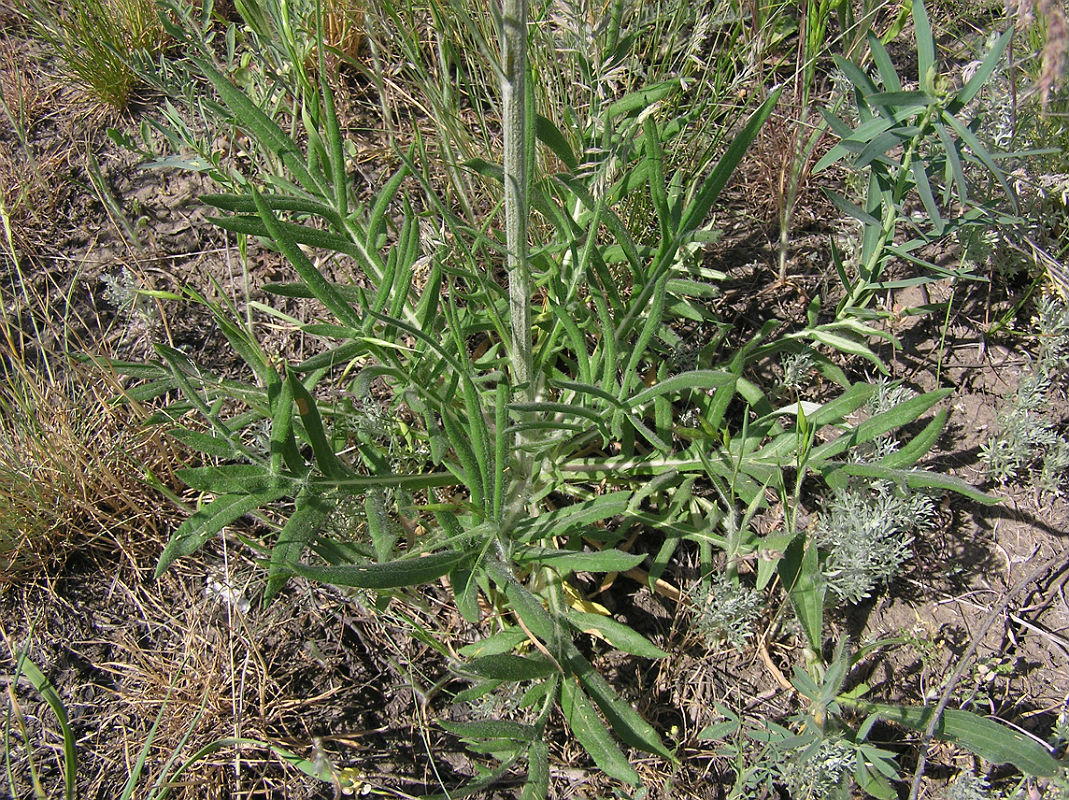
x=96, y=40
x=532, y=401
x=866, y=532
x=912, y=143
x=822, y=751
x=1028, y=443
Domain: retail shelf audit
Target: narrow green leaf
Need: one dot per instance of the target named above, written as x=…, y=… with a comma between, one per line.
x=593, y=735
x=922, y=30
x=492, y=729
x=509, y=667
x=980, y=77
x=879, y=145
x=878, y=425
x=913, y=451
x=323, y=289
x=625, y=721
x=336, y=156
x=981, y=153
x=215, y=446
x=283, y=444
x=381, y=528
x=44, y=687
x=305, y=522
x=228, y=478
x=246, y=204
x=562, y=521
x=300, y=234
x=524, y=604
x=263, y=128
x=884, y=65
x=551, y=137
x=695, y=380
x=211, y=519
x=617, y=634
x=564, y=561
x=465, y=593
x=325, y=457
x=992, y=741
x=862, y=83
x=916, y=479
x=895, y=100
x=950, y=147
x=710, y=189
x=799, y=571
x=655, y=177
x=851, y=209
x=390, y=575
x=924, y=189
x=537, y=786
x=641, y=100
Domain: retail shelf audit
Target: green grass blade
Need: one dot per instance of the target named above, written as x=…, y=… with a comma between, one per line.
x=48, y=693
x=712, y=186
x=922, y=29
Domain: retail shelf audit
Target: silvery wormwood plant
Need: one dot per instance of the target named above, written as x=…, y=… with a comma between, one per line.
x=1028, y=444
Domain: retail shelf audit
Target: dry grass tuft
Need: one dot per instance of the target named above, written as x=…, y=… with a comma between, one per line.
x=72, y=466
x=1056, y=43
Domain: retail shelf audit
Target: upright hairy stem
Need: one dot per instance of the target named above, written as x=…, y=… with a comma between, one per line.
x=514, y=95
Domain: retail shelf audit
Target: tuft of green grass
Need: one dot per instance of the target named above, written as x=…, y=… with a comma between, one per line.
x=96, y=40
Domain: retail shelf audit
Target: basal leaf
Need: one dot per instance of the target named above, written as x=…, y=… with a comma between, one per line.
x=608, y=560
x=492, y=729
x=593, y=735
x=509, y=667
x=992, y=741
x=305, y=522
x=390, y=575
x=211, y=519
x=620, y=636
